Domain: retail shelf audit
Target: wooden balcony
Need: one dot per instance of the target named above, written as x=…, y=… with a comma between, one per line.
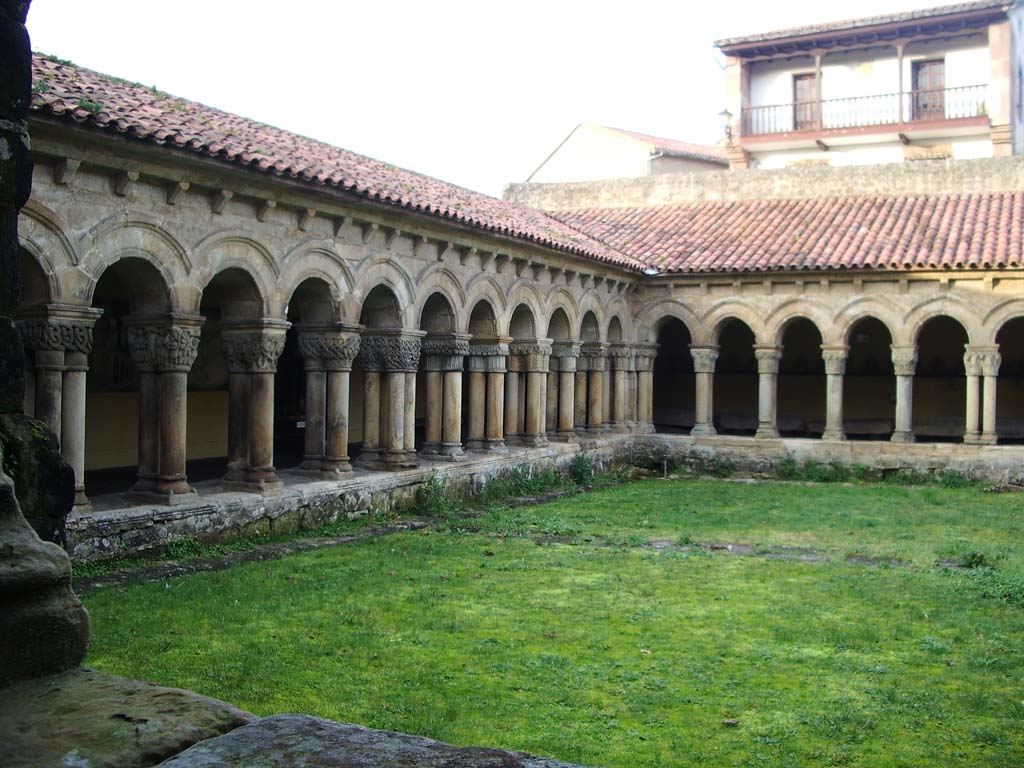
x=882, y=111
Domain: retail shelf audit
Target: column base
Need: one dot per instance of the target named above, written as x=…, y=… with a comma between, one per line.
x=399, y=460
x=767, y=432
x=82, y=503
x=988, y=439
x=902, y=437
x=311, y=463
x=534, y=441
x=495, y=446
x=703, y=430
x=430, y=449
x=169, y=495
x=336, y=469
x=835, y=434
x=972, y=438
x=452, y=451
x=565, y=437
x=476, y=444
x=594, y=431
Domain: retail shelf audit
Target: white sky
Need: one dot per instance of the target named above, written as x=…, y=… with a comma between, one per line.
x=474, y=92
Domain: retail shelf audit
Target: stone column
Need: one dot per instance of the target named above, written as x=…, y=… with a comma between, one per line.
x=551, y=401
x=445, y=355
x=316, y=400
x=399, y=352
x=393, y=417
x=645, y=354
x=990, y=363
x=704, y=359
x=592, y=359
x=835, y=371
x=435, y=409
x=175, y=346
x=409, y=432
x=495, y=408
x=767, y=390
x=904, y=361
x=63, y=332
x=606, y=394
x=141, y=349
x=564, y=356
x=580, y=398
x=535, y=356
x=339, y=350
x=237, y=362
x=618, y=361
x=252, y=349
x=512, y=402
x=478, y=383
x=632, y=407
x=972, y=422
x=372, y=360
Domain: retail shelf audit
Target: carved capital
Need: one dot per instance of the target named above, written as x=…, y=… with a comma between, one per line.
x=592, y=356
x=768, y=359
x=972, y=363
x=329, y=349
x=904, y=360
x=253, y=347
x=643, y=356
x=835, y=360
x=620, y=357
x=444, y=353
x=704, y=359
x=56, y=335
x=990, y=363
x=390, y=353
x=164, y=347
x=531, y=355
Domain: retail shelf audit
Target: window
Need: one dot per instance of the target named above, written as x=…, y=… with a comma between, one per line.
x=929, y=83
x=805, y=102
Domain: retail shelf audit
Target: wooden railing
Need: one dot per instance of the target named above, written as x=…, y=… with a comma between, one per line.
x=864, y=111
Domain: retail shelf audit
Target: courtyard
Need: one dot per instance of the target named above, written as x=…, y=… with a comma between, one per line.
x=662, y=622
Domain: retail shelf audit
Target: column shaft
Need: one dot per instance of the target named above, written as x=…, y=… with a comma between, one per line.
x=49, y=385
x=580, y=401
x=551, y=404
x=478, y=394
x=535, y=407
x=452, y=446
x=72, y=441
x=316, y=426
x=370, y=453
x=238, y=426
x=594, y=397
x=511, y=405
x=645, y=382
x=904, y=432
x=393, y=418
x=261, y=431
x=704, y=418
x=988, y=426
x=173, y=425
x=972, y=430
x=566, y=405
x=606, y=396
x=409, y=427
x=336, y=459
x=149, y=431
x=619, y=402
x=834, y=407
x=495, y=410
x=435, y=410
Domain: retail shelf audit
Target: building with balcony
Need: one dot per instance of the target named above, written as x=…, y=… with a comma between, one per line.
x=937, y=83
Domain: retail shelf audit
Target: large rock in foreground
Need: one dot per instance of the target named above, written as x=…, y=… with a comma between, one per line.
x=87, y=719
x=299, y=741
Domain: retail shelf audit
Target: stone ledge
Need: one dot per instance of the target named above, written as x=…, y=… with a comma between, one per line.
x=301, y=741
x=88, y=719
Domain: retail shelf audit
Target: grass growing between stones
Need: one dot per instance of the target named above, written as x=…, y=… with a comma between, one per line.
x=557, y=630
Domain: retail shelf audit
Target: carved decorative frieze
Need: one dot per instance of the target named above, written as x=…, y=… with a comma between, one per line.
x=704, y=359
x=56, y=335
x=904, y=360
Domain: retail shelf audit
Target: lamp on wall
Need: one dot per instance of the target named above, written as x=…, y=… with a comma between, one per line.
x=726, y=116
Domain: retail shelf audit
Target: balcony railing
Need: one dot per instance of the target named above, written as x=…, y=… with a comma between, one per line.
x=865, y=111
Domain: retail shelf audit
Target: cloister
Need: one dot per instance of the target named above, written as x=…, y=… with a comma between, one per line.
x=188, y=318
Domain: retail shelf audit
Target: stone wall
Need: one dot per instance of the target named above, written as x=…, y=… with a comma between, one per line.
x=1005, y=174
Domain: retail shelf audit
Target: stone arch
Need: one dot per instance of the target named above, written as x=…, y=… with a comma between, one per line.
x=998, y=316
x=590, y=327
x=381, y=309
x=673, y=381
x=314, y=300
x=396, y=279
x=655, y=315
x=524, y=294
x=869, y=389
x=862, y=308
x=119, y=237
x=800, y=396
x=290, y=287
x=440, y=281
x=779, y=319
x=560, y=298
x=39, y=282
x=617, y=307
x=940, y=380
x=1009, y=339
x=484, y=287
x=483, y=320
x=722, y=312
x=954, y=307
x=522, y=323
x=222, y=251
x=591, y=302
x=735, y=403
x=438, y=314
x=615, y=333
x=559, y=326
x=42, y=230
x=315, y=256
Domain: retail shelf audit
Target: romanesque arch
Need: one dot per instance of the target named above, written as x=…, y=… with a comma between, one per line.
x=801, y=378
x=674, y=388
x=1009, y=420
x=869, y=386
x=439, y=384
x=735, y=387
x=940, y=383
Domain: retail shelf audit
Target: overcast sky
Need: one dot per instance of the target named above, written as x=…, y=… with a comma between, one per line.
x=474, y=92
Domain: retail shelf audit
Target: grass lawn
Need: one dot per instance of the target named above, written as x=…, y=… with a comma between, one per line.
x=556, y=630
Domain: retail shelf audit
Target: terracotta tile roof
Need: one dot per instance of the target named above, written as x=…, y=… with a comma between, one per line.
x=970, y=231
x=867, y=21
x=102, y=102
x=677, y=148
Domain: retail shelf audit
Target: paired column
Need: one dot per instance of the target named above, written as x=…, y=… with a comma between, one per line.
x=644, y=357
x=618, y=364
x=390, y=359
x=487, y=390
x=835, y=371
x=562, y=397
x=767, y=390
x=981, y=365
x=251, y=351
x=328, y=353
x=904, y=361
x=606, y=394
x=443, y=357
x=533, y=363
x=164, y=351
x=704, y=359
x=593, y=360
x=61, y=338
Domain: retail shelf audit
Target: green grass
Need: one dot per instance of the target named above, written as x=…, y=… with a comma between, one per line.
x=620, y=655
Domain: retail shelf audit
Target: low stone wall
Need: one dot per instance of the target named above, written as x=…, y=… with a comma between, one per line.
x=305, y=505
x=110, y=531
x=1004, y=463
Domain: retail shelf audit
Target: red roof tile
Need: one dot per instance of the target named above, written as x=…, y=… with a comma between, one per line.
x=972, y=231
x=102, y=102
x=679, y=148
